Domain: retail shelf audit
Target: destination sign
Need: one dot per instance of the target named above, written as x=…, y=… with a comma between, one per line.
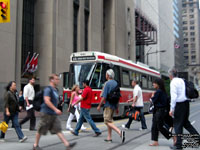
x=80, y=58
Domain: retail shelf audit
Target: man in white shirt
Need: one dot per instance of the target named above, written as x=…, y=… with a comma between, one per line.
x=137, y=105
x=29, y=94
x=179, y=107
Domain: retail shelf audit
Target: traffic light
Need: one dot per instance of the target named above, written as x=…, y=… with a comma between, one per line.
x=4, y=11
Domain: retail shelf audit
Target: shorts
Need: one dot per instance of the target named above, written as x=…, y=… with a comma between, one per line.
x=49, y=123
x=108, y=115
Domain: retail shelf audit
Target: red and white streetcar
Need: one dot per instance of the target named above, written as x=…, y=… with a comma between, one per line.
x=93, y=66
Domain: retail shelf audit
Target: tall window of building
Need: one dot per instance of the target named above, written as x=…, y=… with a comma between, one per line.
x=87, y=12
x=191, y=16
x=185, y=39
x=27, y=29
x=184, y=22
x=192, y=45
x=191, y=10
x=192, y=22
x=192, y=33
x=184, y=5
x=192, y=28
x=191, y=4
x=193, y=57
x=185, y=45
x=185, y=28
x=192, y=39
x=75, y=21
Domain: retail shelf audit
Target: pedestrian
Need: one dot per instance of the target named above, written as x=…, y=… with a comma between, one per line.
x=74, y=97
x=11, y=111
x=49, y=112
x=29, y=94
x=179, y=108
x=21, y=99
x=86, y=100
x=109, y=108
x=160, y=101
x=137, y=105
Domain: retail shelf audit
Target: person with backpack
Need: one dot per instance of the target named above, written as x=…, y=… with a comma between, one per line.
x=179, y=108
x=110, y=106
x=29, y=94
x=49, y=120
x=11, y=111
x=137, y=105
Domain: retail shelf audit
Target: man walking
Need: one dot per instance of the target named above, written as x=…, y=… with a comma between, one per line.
x=29, y=95
x=179, y=108
x=109, y=108
x=49, y=120
x=137, y=105
x=86, y=99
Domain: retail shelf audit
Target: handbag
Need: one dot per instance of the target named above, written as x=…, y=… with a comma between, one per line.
x=72, y=109
x=3, y=126
x=151, y=107
x=133, y=114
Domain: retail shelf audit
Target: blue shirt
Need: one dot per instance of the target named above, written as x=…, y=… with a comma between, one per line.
x=109, y=85
x=53, y=94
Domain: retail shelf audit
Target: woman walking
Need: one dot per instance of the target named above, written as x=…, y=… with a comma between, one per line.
x=11, y=111
x=160, y=101
x=74, y=98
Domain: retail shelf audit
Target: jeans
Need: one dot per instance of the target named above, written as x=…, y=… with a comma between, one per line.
x=85, y=113
x=14, y=118
x=142, y=118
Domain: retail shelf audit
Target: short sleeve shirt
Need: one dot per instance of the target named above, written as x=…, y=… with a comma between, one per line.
x=29, y=92
x=53, y=94
x=109, y=85
x=87, y=98
x=137, y=91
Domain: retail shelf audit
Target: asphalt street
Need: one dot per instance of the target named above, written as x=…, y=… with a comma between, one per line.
x=135, y=139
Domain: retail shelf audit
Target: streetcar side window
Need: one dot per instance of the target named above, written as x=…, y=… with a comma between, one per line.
x=144, y=81
x=125, y=78
x=96, y=77
x=150, y=82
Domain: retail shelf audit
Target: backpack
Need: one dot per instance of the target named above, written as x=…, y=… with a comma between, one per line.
x=190, y=90
x=39, y=99
x=114, y=95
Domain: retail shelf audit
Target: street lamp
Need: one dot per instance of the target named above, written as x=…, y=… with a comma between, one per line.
x=148, y=53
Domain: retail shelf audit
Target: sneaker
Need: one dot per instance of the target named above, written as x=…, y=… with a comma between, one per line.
x=2, y=140
x=37, y=148
x=69, y=128
x=24, y=139
x=72, y=132
x=83, y=128
x=71, y=145
x=123, y=136
x=141, y=129
x=97, y=134
x=124, y=127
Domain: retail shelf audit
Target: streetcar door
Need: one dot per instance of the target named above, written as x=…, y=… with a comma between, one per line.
x=66, y=80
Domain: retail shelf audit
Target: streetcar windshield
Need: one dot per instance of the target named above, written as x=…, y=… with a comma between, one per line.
x=94, y=72
x=82, y=72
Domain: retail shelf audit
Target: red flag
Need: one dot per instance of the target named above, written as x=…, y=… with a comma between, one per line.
x=31, y=63
x=35, y=64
